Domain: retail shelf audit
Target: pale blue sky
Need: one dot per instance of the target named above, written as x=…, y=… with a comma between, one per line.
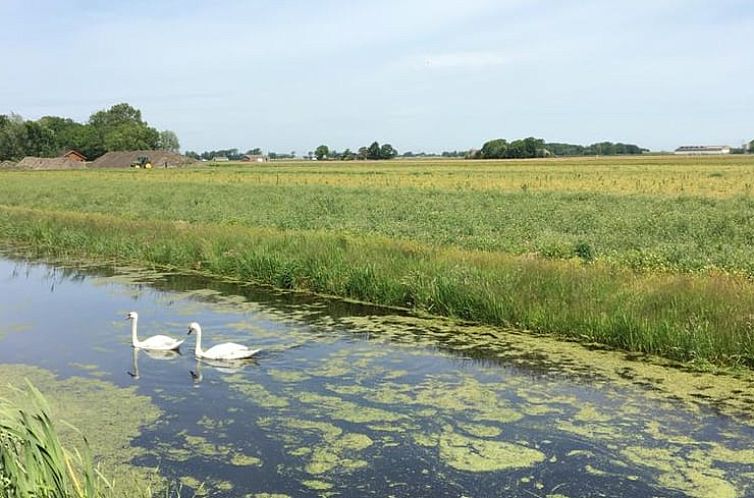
x=421, y=74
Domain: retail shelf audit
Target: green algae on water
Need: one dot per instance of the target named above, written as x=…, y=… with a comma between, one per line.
x=483, y=455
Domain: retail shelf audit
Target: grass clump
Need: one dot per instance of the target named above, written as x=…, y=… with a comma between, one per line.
x=34, y=463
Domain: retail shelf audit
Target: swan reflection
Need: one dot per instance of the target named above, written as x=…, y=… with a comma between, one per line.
x=222, y=366
x=155, y=355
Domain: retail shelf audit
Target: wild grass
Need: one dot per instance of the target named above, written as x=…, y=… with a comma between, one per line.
x=703, y=317
x=34, y=463
x=642, y=232
x=606, y=250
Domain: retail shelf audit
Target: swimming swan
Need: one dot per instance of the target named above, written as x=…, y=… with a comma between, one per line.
x=156, y=342
x=224, y=351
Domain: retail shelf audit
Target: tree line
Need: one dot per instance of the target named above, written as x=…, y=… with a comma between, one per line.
x=374, y=152
x=120, y=127
x=527, y=148
x=233, y=154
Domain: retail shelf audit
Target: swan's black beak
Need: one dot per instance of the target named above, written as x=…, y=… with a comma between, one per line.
x=189, y=332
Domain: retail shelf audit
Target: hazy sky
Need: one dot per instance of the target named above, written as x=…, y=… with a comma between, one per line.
x=421, y=74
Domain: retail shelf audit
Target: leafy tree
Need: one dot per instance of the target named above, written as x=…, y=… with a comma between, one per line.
x=38, y=140
x=121, y=128
x=751, y=147
x=373, y=151
x=169, y=141
x=12, y=137
x=494, y=149
x=363, y=153
x=322, y=152
x=387, y=152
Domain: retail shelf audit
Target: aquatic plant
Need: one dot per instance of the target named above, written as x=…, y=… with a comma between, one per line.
x=34, y=463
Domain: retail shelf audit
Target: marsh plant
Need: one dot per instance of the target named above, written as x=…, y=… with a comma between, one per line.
x=34, y=463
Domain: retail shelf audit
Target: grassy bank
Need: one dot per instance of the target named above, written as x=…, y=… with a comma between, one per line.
x=703, y=317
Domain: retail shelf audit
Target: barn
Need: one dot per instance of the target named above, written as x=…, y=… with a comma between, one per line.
x=74, y=155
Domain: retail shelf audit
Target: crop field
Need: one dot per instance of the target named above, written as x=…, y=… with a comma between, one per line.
x=650, y=254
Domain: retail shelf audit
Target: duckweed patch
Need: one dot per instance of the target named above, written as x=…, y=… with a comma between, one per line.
x=482, y=455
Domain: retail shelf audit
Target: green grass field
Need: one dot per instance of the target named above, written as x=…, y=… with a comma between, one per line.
x=645, y=253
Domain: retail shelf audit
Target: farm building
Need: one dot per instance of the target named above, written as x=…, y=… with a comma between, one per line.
x=157, y=158
x=254, y=158
x=49, y=163
x=702, y=150
x=220, y=159
x=74, y=155
x=7, y=164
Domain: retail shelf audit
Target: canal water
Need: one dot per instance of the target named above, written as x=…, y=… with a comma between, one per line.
x=347, y=400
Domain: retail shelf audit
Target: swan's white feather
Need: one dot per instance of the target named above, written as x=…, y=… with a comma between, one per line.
x=160, y=343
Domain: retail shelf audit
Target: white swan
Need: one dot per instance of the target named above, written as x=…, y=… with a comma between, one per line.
x=224, y=351
x=156, y=342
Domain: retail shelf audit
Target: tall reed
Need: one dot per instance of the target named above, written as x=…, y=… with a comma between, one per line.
x=33, y=462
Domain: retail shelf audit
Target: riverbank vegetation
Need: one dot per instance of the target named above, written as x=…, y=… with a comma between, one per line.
x=43, y=456
x=644, y=254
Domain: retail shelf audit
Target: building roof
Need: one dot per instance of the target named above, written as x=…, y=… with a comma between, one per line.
x=158, y=158
x=74, y=153
x=49, y=163
x=692, y=148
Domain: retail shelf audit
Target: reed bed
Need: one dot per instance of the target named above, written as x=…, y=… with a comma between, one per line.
x=34, y=463
x=704, y=318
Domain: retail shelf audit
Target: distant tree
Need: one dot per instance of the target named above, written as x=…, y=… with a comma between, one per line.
x=373, y=151
x=387, y=152
x=121, y=128
x=12, y=137
x=256, y=151
x=348, y=155
x=363, y=153
x=169, y=141
x=751, y=147
x=38, y=140
x=494, y=149
x=322, y=152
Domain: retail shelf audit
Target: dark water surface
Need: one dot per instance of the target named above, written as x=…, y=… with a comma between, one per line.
x=348, y=400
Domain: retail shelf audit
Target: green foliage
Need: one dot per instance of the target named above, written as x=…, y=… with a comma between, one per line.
x=34, y=464
x=322, y=152
x=387, y=151
x=702, y=317
x=169, y=141
x=531, y=147
x=373, y=151
x=118, y=128
x=121, y=128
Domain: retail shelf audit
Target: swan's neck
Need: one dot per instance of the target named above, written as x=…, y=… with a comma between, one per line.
x=134, y=339
x=198, y=349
